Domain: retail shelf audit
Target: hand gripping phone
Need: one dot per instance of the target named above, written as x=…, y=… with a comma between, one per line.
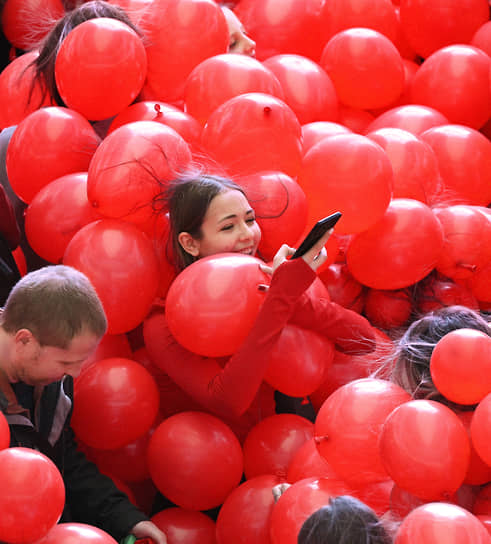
x=317, y=232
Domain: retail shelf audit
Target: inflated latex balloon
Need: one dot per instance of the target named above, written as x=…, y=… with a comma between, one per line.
x=342, y=287
x=308, y=90
x=359, y=183
x=213, y=303
x=46, y=145
x=131, y=166
x=28, y=511
x=125, y=393
x=355, y=119
x=431, y=24
x=95, y=55
x=185, y=526
x=19, y=92
x=401, y=249
x=479, y=472
x=57, y=212
x=25, y=24
x=76, y=533
x=308, y=463
x=437, y=293
x=121, y=264
x=480, y=429
x=179, y=34
x=219, y=78
x=253, y=132
x=441, y=523
x=455, y=81
x=111, y=345
x=284, y=27
x=4, y=433
x=365, y=67
x=244, y=516
x=482, y=38
x=195, y=460
x=388, y=309
x=280, y=206
x=272, y=443
x=480, y=285
x=414, y=164
x=349, y=424
x=464, y=159
x=482, y=504
x=414, y=118
x=425, y=449
x=316, y=131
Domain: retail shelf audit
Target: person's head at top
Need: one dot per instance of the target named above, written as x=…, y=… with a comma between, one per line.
x=345, y=520
x=411, y=362
x=45, y=62
x=240, y=42
x=51, y=324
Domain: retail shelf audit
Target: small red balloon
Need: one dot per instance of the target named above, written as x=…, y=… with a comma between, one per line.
x=76, y=533
x=185, y=526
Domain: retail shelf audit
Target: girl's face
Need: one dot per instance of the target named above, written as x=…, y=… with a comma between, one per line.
x=229, y=226
x=239, y=40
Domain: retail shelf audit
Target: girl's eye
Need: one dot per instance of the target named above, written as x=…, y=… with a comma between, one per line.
x=227, y=227
x=251, y=220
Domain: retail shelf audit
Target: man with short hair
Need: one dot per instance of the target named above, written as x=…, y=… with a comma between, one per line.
x=51, y=324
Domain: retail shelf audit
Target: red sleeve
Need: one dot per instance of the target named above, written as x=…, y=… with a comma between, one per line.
x=8, y=224
x=233, y=387
x=350, y=331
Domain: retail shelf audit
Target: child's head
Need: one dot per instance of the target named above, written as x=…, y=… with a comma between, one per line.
x=345, y=520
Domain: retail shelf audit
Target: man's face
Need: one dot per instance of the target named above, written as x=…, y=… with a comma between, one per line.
x=42, y=365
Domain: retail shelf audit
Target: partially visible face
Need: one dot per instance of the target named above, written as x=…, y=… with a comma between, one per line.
x=42, y=365
x=229, y=226
x=239, y=40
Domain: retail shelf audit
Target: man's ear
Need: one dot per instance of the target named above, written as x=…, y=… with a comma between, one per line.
x=188, y=243
x=24, y=339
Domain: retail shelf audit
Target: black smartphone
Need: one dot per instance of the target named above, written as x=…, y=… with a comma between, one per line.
x=316, y=233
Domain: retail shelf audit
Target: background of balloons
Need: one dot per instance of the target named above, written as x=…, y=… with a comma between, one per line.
x=378, y=108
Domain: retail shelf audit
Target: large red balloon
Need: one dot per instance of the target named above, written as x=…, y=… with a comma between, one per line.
x=359, y=183
x=309, y=463
x=46, y=145
x=95, y=55
x=349, y=424
x=401, y=249
x=480, y=429
x=212, y=304
x=120, y=262
x=365, y=67
x=125, y=393
x=425, y=449
x=432, y=24
x=4, y=433
x=245, y=515
x=482, y=38
x=185, y=526
x=308, y=90
x=388, y=309
x=219, y=78
x=455, y=81
x=253, y=132
x=76, y=533
x=413, y=118
x=195, y=460
x=318, y=130
x=33, y=495
x=179, y=34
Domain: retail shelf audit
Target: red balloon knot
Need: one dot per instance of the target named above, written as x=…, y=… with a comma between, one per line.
x=267, y=110
x=94, y=204
x=468, y=266
x=157, y=109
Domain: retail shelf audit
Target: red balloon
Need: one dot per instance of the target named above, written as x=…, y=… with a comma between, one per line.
x=111, y=345
x=388, y=309
x=284, y=27
x=46, y=145
x=482, y=38
x=183, y=123
x=120, y=262
x=28, y=511
x=219, y=78
x=342, y=287
x=318, y=130
x=308, y=463
x=414, y=164
x=436, y=294
x=179, y=34
x=355, y=119
x=20, y=92
x=441, y=523
x=455, y=81
x=212, y=304
x=309, y=91
x=299, y=361
x=272, y=443
x=76, y=533
x=480, y=429
x=365, y=67
x=412, y=118
x=185, y=526
x=125, y=393
x=4, y=433
x=253, y=132
x=195, y=460
x=57, y=212
x=425, y=449
x=431, y=24
x=245, y=515
x=349, y=424
x=131, y=165
x=480, y=285
x=478, y=473
x=482, y=504
x=464, y=159
x=359, y=183
x=93, y=56
x=401, y=249
x=486, y=521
